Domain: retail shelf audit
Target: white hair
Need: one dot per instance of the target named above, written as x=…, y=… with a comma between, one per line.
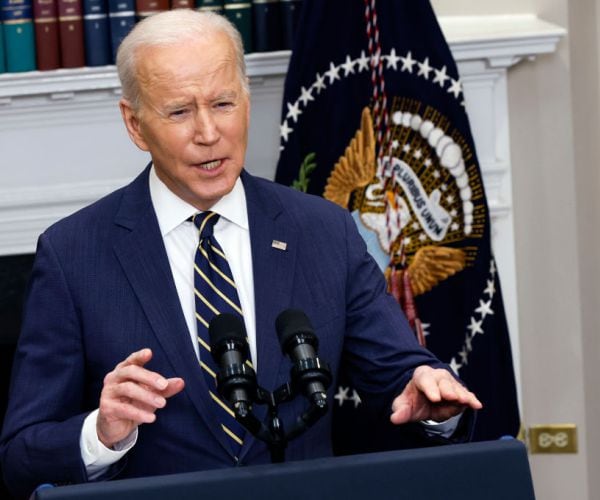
x=169, y=28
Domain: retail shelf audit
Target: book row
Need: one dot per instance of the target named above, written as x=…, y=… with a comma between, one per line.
x=49, y=34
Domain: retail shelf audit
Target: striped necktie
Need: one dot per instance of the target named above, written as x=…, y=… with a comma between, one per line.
x=215, y=293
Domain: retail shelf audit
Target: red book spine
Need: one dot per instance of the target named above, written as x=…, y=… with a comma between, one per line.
x=145, y=8
x=182, y=4
x=47, y=47
x=70, y=20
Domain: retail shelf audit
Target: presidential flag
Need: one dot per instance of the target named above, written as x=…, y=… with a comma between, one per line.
x=374, y=119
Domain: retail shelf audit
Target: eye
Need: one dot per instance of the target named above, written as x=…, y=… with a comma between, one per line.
x=224, y=104
x=177, y=113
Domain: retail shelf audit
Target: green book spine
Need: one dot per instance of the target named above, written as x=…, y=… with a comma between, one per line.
x=19, y=38
x=240, y=14
x=212, y=5
x=2, y=63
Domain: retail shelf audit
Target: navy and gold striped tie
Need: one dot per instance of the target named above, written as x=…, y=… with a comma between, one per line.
x=215, y=293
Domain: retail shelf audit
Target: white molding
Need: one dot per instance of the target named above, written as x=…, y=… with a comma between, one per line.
x=501, y=40
x=26, y=212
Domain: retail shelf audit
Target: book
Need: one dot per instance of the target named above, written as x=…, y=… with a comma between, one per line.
x=2, y=63
x=212, y=5
x=19, y=38
x=47, y=44
x=240, y=14
x=145, y=8
x=121, y=17
x=182, y=4
x=290, y=12
x=70, y=24
x=266, y=17
x=96, y=33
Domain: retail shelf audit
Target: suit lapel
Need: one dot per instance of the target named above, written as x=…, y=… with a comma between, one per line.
x=273, y=273
x=143, y=257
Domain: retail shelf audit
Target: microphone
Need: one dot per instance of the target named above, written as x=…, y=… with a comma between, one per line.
x=299, y=342
x=236, y=381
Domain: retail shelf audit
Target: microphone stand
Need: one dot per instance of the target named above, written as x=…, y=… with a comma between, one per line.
x=304, y=378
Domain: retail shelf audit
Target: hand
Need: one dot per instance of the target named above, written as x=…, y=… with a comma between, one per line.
x=130, y=397
x=432, y=394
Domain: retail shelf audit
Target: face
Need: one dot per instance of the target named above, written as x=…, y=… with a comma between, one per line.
x=193, y=117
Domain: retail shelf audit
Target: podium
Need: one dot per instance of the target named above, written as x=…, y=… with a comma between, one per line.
x=494, y=470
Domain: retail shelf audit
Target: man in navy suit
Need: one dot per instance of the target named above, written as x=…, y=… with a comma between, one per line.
x=107, y=379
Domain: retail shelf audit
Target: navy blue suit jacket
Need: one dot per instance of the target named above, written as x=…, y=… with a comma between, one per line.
x=101, y=288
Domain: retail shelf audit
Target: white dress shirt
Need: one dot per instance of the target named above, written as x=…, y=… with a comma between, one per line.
x=180, y=237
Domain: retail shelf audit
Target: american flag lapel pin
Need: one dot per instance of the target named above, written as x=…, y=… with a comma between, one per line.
x=279, y=245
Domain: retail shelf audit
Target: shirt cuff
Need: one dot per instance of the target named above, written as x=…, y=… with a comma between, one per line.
x=443, y=429
x=96, y=457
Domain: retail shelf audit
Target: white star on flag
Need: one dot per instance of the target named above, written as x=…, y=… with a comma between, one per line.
x=356, y=398
x=455, y=366
x=424, y=68
x=342, y=395
x=285, y=130
x=293, y=111
x=348, y=66
x=392, y=60
x=485, y=308
x=319, y=83
x=468, y=343
x=490, y=289
x=363, y=62
x=440, y=76
x=408, y=62
x=306, y=96
x=455, y=87
x=475, y=326
x=333, y=73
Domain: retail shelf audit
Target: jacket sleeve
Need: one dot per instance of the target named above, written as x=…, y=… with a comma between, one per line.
x=40, y=438
x=380, y=349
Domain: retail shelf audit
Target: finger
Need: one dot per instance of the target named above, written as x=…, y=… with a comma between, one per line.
x=443, y=412
x=123, y=410
x=139, y=358
x=452, y=390
x=401, y=412
x=427, y=383
x=138, y=375
x=136, y=393
x=175, y=385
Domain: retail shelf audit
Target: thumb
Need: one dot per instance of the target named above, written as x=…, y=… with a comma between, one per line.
x=402, y=409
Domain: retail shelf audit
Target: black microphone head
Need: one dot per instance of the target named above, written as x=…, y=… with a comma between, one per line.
x=225, y=328
x=293, y=322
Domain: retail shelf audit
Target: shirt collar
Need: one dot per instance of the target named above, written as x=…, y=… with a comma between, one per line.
x=171, y=210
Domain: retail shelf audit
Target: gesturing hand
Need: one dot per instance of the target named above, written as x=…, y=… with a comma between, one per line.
x=130, y=397
x=432, y=394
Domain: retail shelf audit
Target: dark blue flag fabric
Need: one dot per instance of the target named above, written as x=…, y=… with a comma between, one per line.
x=374, y=120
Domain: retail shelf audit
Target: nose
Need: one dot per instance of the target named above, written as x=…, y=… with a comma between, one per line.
x=206, y=132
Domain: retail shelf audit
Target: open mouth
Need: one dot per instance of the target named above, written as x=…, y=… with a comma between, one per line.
x=210, y=165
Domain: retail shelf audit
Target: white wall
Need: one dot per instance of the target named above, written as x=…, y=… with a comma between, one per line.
x=554, y=127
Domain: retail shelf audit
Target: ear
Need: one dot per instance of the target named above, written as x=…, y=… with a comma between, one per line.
x=132, y=122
